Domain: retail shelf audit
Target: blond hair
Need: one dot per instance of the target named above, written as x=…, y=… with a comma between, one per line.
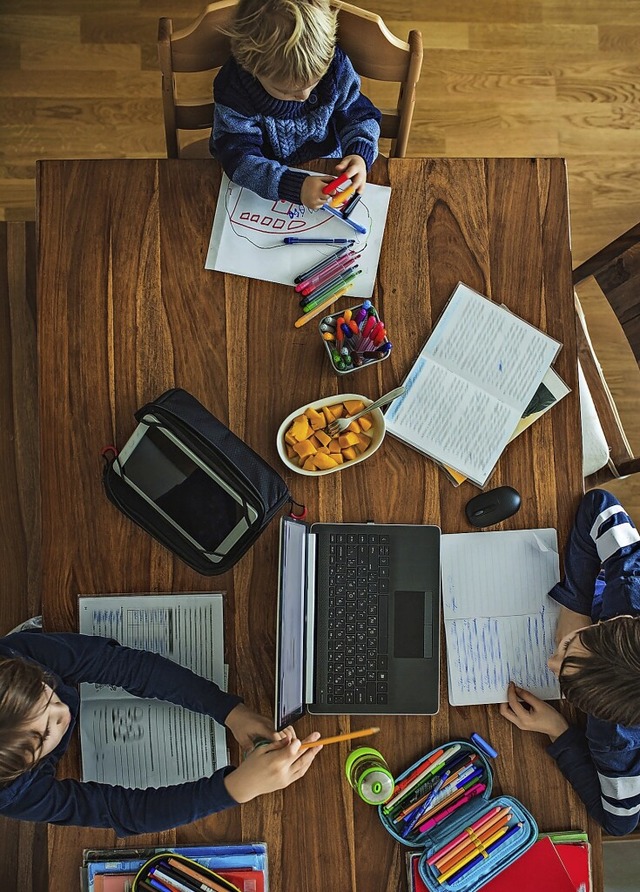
x=290, y=42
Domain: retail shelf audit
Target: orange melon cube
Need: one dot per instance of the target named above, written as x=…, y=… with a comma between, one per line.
x=353, y=406
x=305, y=448
x=365, y=423
x=347, y=439
x=316, y=419
x=324, y=462
x=349, y=453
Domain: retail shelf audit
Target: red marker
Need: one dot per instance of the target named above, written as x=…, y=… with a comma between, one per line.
x=333, y=185
x=326, y=273
x=369, y=324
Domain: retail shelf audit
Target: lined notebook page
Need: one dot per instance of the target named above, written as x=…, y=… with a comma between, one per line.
x=470, y=384
x=499, y=621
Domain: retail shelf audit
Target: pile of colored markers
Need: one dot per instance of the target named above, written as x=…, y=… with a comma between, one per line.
x=173, y=875
x=355, y=337
x=328, y=280
x=435, y=790
x=477, y=843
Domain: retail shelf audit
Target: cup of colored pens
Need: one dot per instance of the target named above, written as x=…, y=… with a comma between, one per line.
x=355, y=338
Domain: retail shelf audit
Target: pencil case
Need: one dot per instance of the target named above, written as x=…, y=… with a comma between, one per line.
x=463, y=827
x=178, y=872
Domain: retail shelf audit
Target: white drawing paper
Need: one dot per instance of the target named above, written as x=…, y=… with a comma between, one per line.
x=499, y=620
x=248, y=232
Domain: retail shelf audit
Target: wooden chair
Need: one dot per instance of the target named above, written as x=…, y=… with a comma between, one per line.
x=200, y=47
x=616, y=269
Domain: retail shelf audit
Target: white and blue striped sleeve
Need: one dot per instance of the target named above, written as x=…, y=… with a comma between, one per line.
x=603, y=767
x=605, y=539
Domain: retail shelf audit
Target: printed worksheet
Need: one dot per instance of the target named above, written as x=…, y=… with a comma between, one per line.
x=142, y=743
x=499, y=620
x=247, y=237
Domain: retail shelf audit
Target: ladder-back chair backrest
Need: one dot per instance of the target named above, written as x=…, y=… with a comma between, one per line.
x=375, y=52
x=616, y=269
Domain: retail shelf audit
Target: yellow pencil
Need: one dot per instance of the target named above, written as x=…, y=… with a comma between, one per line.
x=339, y=737
x=321, y=307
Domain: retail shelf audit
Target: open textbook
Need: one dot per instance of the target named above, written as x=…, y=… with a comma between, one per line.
x=470, y=384
x=142, y=743
x=247, y=236
x=551, y=390
x=499, y=620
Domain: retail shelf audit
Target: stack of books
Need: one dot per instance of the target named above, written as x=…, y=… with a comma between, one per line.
x=243, y=866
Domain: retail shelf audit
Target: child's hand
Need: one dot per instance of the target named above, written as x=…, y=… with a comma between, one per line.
x=532, y=714
x=311, y=194
x=271, y=767
x=356, y=170
x=247, y=727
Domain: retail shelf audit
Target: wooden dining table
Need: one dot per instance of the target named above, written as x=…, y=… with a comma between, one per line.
x=126, y=310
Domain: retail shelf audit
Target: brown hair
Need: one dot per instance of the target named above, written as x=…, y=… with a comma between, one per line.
x=21, y=688
x=606, y=682
x=288, y=41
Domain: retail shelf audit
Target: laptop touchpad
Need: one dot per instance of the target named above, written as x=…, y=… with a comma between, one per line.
x=412, y=624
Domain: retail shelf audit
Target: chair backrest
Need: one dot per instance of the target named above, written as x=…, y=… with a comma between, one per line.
x=616, y=269
x=375, y=52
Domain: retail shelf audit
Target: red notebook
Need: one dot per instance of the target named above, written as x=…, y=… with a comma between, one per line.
x=575, y=857
x=540, y=862
x=245, y=880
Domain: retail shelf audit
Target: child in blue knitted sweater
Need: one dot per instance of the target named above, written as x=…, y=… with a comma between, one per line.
x=287, y=95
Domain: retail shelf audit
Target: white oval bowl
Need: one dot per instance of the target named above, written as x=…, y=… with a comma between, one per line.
x=377, y=433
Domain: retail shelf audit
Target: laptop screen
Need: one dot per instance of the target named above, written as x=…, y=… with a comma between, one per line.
x=290, y=666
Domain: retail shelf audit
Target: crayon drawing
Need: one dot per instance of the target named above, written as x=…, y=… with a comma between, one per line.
x=247, y=236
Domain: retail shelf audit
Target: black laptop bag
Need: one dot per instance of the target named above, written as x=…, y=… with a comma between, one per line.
x=255, y=482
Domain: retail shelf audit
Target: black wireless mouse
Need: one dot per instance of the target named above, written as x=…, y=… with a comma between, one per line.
x=492, y=506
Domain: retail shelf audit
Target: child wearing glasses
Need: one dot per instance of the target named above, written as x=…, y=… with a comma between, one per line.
x=597, y=661
x=38, y=712
x=289, y=94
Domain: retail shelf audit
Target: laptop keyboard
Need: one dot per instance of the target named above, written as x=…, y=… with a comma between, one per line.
x=359, y=565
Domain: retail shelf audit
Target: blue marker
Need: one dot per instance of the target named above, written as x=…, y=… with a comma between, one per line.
x=292, y=240
x=347, y=220
x=482, y=743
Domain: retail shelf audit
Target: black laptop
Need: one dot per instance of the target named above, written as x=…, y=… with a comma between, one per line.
x=358, y=619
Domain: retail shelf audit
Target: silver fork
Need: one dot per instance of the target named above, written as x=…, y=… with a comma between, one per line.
x=338, y=425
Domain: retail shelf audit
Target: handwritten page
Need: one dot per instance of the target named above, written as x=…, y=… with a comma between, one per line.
x=499, y=621
x=470, y=384
x=142, y=743
x=247, y=237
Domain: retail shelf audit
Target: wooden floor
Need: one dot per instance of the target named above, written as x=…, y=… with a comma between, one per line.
x=78, y=79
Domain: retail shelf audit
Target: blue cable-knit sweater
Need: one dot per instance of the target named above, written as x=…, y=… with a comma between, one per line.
x=257, y=138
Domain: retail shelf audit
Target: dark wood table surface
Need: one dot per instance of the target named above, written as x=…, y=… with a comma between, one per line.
x=127, y=310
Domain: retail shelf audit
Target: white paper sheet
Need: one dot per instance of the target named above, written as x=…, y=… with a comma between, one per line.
x=148, y=743
x=247, y=236
x=470, y=384
x=499, y=621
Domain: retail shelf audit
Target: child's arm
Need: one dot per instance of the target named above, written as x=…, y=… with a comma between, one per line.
x=604, y=770
x=237, y=141
x=603, y=537
x=87, y=658
x=606, y=776
x=356, y=117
